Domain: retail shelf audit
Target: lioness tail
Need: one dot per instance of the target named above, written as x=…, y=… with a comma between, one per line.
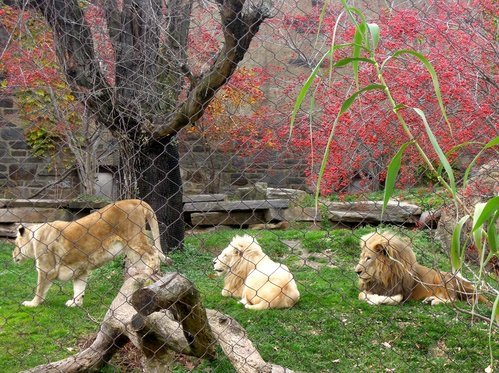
x=153, y=224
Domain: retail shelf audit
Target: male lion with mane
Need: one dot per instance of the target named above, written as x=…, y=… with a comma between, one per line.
x=389, y=274
x=252, y=276
x=69, y=250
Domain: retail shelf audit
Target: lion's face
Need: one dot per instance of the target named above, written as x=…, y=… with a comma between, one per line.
x=369, y=263
x=376, y=260
x=385, y=259
x=232, y=254
x=227, y=258
x=23, y=237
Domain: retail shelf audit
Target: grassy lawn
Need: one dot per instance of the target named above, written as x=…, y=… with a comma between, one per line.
x=328, y=330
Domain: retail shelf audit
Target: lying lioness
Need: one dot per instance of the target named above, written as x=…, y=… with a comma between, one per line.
x=69, y=250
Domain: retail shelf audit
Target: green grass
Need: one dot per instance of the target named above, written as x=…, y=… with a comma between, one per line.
x=328, y=330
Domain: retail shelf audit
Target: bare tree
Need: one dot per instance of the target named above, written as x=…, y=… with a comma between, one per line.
x=152, y=92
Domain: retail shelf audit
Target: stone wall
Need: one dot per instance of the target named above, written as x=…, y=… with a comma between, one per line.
x=206, y=170
x=203, y=170
x=21, y=174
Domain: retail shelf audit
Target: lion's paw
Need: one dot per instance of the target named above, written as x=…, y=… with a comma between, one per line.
x=362, y=295
x=30, y=303
x=433, y=300
x=396, y=298
x=73, y=303
x=376, y=299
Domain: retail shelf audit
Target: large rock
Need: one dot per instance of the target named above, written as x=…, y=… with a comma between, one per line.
x=296, y=197
x=370, y=212
x=258, y=191
x=32, y=215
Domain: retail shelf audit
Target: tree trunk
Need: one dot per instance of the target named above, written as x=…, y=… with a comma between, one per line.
x=160, y=184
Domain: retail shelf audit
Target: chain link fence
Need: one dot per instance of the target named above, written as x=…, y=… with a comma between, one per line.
x=147, y=151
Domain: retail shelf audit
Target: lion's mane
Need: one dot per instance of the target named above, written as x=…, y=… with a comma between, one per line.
x=393, y=261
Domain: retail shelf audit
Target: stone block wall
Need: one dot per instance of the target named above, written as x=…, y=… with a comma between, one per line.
x=21, y=174
x=206, y=170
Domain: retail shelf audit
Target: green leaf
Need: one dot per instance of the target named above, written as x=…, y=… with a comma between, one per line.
x=304, y=90
x=398, y=107
x=489, y=209
x=358, y=41
x=346, y=61
x=441, y=156
x=478, y=234
x=453, y=150
x=493, y=318
x=490, y=144
x=344, y=107
x=350, y=10
x=350, y=100
x=391, y=175
x=325, y=158
x=492, y=235
x=321, y=17
x=456, y=251
x=433, y=74
x=306, y=86
x=374, y=31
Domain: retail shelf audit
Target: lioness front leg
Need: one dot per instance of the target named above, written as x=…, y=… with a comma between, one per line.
x=79, y=286
x=43, y=286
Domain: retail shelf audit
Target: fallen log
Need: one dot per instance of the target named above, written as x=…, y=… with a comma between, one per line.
x=161, y=320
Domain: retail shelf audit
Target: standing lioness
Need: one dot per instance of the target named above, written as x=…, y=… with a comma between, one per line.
x=69, y=250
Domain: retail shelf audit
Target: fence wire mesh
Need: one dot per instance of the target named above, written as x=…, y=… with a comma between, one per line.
x=147, y=152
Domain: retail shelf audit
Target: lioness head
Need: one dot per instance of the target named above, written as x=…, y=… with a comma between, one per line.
x=22, y=244
x=384, y=257
x=233, y=253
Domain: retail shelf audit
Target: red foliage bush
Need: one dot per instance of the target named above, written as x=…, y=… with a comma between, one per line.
x=457, y=38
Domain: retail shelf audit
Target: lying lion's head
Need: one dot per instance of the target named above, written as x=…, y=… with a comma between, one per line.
x=239, y=248
x=385, y=265
x=22, y=250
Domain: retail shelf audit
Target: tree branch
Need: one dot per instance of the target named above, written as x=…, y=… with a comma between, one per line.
x=177, y=294
x=237, y=347
x=240, y=24
x=75, y=50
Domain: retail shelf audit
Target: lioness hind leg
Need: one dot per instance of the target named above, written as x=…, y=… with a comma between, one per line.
x=243, y=301
x=142, y=259
x=43, y=286
x=263, y=305
x=79, y=286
